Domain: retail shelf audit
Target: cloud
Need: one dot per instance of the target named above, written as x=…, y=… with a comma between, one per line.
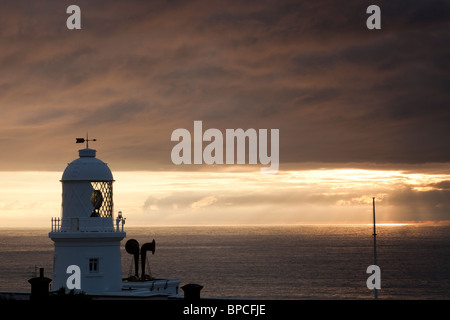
x=421, y=205
x=338, y=92
x=310, y=196
x=442, y=185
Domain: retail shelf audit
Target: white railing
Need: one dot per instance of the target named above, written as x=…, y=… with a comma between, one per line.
x=56, y=224
x=87, y=225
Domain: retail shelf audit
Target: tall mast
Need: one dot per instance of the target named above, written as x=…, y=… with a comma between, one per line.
x=374, y=244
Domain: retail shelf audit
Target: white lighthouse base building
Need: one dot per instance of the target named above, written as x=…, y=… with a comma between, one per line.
x=96, y=254
x=99, y=258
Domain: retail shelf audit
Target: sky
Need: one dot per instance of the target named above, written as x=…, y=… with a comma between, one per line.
x=360, y=112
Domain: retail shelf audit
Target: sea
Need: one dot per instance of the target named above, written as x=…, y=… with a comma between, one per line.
x=298, y=262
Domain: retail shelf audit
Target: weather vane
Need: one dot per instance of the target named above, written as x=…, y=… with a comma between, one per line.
x=82, y=140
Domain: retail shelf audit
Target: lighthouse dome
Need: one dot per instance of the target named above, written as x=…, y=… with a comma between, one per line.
x=87, y=168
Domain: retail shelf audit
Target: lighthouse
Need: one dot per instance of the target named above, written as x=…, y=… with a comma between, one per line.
x=85, y=236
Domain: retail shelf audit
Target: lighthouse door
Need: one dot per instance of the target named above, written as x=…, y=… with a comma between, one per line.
x=74, y=224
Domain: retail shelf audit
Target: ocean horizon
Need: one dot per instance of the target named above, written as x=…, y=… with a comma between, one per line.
x=289, y=262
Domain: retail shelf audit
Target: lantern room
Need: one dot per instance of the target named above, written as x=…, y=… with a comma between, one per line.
x=87, y=197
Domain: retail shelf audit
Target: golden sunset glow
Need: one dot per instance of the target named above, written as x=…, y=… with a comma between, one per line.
x=206, y=198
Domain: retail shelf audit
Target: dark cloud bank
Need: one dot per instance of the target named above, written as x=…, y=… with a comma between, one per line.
x=138, y=70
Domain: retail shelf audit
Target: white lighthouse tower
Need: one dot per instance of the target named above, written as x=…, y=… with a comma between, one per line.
x=86, y=235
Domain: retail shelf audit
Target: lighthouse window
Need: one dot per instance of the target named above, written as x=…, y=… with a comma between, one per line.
x=101, y=199
x=97, y=201
x=93, y=265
